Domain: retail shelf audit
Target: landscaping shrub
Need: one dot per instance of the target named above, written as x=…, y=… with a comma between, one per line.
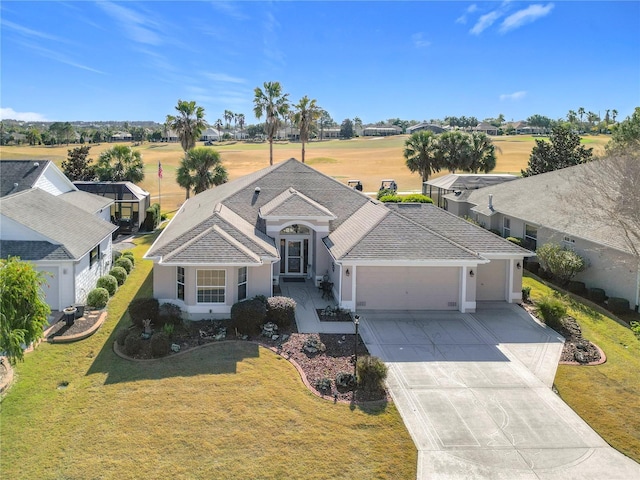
x=132, y=343
x=372, y=373
x=160, y=344
x=168, y=329
x=552, y=310
x=247, y=316
x=391, y=198
x=141, y=309
x=125, y=263
x=532, y=266
x=562, y=263
x=516, y=240
x=345, y=380
x=526, y=294
x=577, y=287
x=169, y=313
x=597, y=295
x=109, y=283
x=119, y=273
x=98, y=297
x=323, y=385
x=281, y=311
x=618, y=305
x=635, y=328
x=115, y=254
x=122, y=335
x=152, y=218
x=416, y=198
x=384, y=193
x=129, y=254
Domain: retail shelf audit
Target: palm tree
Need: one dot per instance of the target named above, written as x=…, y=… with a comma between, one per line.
x=453, y=151
x=357, y=122
x=571, y=117
x=188, y=125
x=614, y=114
x=235, y=125
x=200, y=170
x=420, y=152
x=219, y=126
x=304, y=117
x=482, y=153
x=240, y=118
x=273, y=104
x=581, y=112
x=120, y=163
x=228, y=116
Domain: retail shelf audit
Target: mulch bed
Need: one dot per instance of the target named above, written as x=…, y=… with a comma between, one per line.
x=80, y=325
x=341, y=316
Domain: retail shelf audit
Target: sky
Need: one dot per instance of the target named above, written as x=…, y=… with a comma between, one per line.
x=417, y=60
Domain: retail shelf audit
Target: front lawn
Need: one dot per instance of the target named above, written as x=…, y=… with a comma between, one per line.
x=605, y=396
x=229, y=410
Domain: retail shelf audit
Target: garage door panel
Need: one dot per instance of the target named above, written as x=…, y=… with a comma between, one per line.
x=408, y=288
x=492, y=281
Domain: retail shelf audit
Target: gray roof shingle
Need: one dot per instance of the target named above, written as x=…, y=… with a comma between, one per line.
x=32, y=251
x=86, y=201
x=24, y=173
x=292, y=203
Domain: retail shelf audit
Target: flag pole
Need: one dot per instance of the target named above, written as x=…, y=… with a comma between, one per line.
x=159, y=178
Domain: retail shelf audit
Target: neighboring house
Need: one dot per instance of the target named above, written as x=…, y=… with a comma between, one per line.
x=210, y=135
x=437, y=188
x=129, y=201
x=550, y=208
x=487, y=128
x=121, y=137
x=425, y=126
x=170, y=136
x=241, y=238
x=65, y=232
x=373, y=131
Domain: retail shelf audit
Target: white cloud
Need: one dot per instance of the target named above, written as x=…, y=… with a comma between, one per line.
x=11, y=114
x=513, y=96
x=229, y=8
x=419, y=41
x=135, y=24
x=223, y=77
x=485, y=21
x=524, y=16
x=463, y=18
x=29, y=32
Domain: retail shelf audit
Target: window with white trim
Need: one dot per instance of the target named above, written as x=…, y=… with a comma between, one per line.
x=530, y=237
x=506, y=227
x=94, y=255
x=242, y=283
x=211, y=286
x=180, y=282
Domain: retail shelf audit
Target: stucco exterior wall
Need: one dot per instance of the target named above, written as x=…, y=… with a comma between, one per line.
x=492, y=281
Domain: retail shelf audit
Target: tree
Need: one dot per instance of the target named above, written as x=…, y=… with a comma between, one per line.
x=200, y=170
x=33, y=136
x=626, y=135
x=274, y=106
x=571, y=117
x=562, y=150
x=305, y=114
x=219, y=126
x=357, y=123
x=482, y=153
x=581, y=112
x=346, y=128
x=120, y=163
x=453, y=151
x=614, y=114
x=562, y=263
x=77, y=167
x=325, y=121
x=539, y=121
x=24, y=312
x=228, y=116
x=188, y=124
x=421, y=153
x=240, y=118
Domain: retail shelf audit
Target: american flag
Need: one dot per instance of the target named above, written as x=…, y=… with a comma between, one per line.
x=159, y=170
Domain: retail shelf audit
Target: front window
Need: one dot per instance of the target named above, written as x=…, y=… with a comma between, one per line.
x=530, y=237
x=242, y=283
x=180, y=283
x=506, y=227
x=211, y=286
x=94, y=255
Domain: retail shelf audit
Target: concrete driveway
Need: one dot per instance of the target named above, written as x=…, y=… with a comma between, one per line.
x=474, y=392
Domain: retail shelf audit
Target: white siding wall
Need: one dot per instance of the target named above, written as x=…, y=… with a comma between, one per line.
x=12, y=230
x=86, y=277
x=54, y=181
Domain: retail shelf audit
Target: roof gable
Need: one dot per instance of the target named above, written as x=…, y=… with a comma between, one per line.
x=19, y=175
x=292, y=203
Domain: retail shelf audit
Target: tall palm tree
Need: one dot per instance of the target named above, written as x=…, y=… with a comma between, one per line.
x=571, y=117
x=614, y=114
x=219, y=126
x=120, y=163
x=274, y=105
x=453, y=151
x=188, y=124
x=420, y=153
x=235, y=125
x=482, y=153
x=228, y=116
x=240, y=117
x=304, y=117
x=581, y=112
x=200, y=170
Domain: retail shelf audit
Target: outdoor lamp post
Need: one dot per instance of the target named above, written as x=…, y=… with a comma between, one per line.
x=356, y=321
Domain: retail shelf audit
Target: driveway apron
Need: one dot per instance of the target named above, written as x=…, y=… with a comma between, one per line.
x=474, y=392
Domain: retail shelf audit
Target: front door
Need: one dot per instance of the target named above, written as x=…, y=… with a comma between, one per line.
x=294, y=254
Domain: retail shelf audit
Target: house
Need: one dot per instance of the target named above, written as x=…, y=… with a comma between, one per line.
x=376, y=131
x=487, y=128
x=437, y=188
x=549, y=208
x=129, y=202
x=288, y=220
x=425, y=126
x=61, y=230
x=121, y=137
x=210, y=135
x=170, y=136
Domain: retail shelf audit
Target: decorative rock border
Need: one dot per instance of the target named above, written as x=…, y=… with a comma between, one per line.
x=8, y=378
x=82, y=335
x=603, y=359
x=303, y=376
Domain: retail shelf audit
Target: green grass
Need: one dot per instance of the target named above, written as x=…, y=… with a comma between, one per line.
x=605, y=396
x=230, y=410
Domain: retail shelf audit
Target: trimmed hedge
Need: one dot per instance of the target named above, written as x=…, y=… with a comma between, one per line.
x=577, y=287
x=169, y=313
x=132, y=343
x=125, y=263
x=371, y=373
x=119, y=273
x=552, y=311
x=129, y=254
x=416, y=198
x=618, y=305
x=152, y=218
x=391, y=198
x=143, y=308
x=109, y=283
x=281, y=311
x=247, y=316
x=597, y=295
x=98, y=297
x=160, y=344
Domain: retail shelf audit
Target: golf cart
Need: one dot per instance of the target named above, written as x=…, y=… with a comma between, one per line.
x=356, y=184
x=389, y=184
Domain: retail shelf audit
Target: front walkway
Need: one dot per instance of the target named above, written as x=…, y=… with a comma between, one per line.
x=474, y=393
x=308, y=298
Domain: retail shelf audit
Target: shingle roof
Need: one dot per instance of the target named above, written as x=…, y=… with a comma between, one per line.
x=292, y=203
x=554, y=200
x=463, y=233
x=470, y=181
x=86, y=201
x=57, y=220
x=24, y=173
x=32, y=251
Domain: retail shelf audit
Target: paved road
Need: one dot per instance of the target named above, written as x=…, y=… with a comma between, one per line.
x=474, y=392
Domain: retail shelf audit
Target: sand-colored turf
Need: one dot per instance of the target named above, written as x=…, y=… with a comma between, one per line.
x=367, y=159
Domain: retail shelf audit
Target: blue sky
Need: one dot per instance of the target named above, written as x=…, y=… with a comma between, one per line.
x=81, y=60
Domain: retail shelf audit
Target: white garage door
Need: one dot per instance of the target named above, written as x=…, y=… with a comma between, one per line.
x=52, y=288
x=491, y=283
x=407, y=288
